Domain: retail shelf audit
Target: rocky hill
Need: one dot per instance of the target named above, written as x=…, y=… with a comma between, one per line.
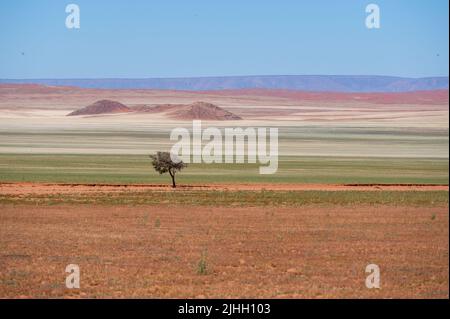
x=102, y=107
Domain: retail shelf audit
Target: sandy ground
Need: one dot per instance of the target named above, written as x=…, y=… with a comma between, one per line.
x=52, y=188
x=154, y=251
x=413, y=125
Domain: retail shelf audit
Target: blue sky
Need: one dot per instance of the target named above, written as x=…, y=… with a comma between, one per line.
x=135, y=39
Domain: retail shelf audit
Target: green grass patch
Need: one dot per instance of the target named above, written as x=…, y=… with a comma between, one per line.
x=238, y=198
x=136, y=169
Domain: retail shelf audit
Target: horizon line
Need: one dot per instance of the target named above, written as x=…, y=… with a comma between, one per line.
x=224, y=76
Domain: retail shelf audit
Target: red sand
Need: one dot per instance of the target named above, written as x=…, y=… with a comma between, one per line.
x=432, y=97
x=49, y=188
x=415, y=97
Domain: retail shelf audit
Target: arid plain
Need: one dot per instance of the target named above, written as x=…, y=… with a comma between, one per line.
x=362, y=178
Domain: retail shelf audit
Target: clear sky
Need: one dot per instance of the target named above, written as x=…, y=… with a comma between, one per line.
x=135, y=39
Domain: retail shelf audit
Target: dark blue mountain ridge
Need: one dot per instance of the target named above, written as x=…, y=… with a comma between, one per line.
x=320, y=83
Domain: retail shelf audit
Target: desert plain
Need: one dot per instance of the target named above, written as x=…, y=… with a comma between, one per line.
x=362, y=179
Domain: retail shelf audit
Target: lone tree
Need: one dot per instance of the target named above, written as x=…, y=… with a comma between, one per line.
x=162, y=163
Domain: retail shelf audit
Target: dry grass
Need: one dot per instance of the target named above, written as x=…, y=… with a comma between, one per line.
x=292, y=252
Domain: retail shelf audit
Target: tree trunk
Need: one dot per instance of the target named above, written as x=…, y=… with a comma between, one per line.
x=173, y=179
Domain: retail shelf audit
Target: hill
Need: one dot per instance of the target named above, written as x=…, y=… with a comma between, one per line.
x=102, y=107
x=202, y=111
x=194, y=111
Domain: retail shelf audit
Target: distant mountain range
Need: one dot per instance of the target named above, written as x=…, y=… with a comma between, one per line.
x=318, y=83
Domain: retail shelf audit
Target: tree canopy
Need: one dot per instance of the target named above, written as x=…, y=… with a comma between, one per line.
x=162, y=163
